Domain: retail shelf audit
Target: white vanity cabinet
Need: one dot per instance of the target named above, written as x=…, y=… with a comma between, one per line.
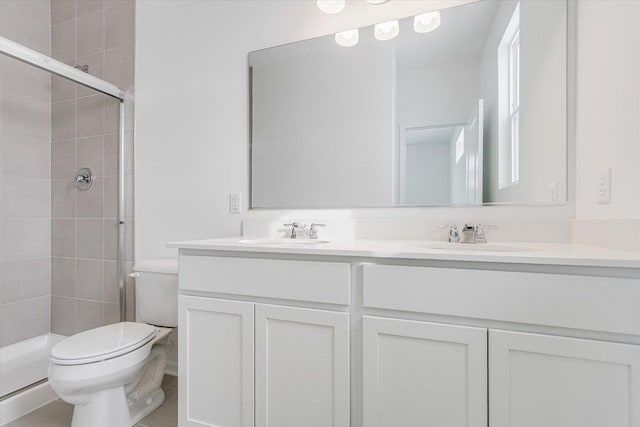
x=277, y=339
x=244, y=363
x=216, y=362
x=534, y=379
x=301, y=367
x=542, y=380
x=423, y=374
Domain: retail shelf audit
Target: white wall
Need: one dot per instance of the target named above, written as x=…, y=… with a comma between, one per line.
x=191, y=112
x=608, y=116
x=608, y=123
x=322, y=125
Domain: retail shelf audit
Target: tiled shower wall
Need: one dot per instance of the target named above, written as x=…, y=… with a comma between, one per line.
x=58, y=246
x=84, y=133
x=25, y=213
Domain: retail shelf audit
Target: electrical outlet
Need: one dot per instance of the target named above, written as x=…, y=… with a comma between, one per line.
x=234, y=203
x=604, y=186
x=553, y=189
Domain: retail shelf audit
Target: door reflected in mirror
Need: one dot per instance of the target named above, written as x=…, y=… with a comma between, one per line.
x=442, y=165
x=471, y=112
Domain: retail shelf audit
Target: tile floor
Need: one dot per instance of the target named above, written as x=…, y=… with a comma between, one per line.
x=59, y=413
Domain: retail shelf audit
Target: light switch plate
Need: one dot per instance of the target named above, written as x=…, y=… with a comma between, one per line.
x=604, y=186
x=234, y=203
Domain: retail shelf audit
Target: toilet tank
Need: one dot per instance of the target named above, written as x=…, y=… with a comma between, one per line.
x=157, y=292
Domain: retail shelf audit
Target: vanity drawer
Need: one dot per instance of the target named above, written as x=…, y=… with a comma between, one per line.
x=324, y=282
x=571, y=301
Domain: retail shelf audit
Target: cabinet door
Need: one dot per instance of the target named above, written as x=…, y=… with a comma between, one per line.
x=215, y=362
x=302, y=367
x=423, y=374
x=541, y=380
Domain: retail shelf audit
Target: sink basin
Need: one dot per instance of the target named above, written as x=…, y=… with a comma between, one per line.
x=283, y=242
x=477, y=247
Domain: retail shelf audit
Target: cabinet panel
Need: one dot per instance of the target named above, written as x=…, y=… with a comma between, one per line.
x=302, y=367
x=215, y=362
x=423, y=374
x=316, y=281
x=592, y=303
x=540, y=380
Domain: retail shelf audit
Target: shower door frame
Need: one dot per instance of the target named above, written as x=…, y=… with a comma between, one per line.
x=44, y=62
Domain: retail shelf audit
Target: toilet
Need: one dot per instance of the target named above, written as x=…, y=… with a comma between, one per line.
x=113, y=374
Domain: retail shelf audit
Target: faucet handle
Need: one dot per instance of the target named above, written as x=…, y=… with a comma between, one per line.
x=293, y=226
x=313, y=230
x=489, y=226
x=454, y=236
x=479, y=232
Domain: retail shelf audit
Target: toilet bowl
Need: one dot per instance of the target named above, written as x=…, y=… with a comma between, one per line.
x=113, y=374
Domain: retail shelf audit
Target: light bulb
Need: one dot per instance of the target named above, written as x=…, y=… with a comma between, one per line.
x=386, y=30
x=347, y=38
x=426, y=22
x=331, y=6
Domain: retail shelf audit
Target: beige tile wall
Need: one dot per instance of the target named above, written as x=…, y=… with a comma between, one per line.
x=84, y=133
x=58, y=246
x=25, y=157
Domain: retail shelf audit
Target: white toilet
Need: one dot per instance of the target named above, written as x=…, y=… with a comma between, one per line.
x=112, y=374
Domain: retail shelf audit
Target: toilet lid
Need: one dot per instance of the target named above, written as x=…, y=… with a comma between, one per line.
x=102, y=343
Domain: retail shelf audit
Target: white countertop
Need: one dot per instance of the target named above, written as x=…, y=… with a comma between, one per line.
x=532, y=253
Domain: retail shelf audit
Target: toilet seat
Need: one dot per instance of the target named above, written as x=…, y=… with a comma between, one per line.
x=102, y=343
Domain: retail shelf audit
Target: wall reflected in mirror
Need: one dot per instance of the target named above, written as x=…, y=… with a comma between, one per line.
x=471, y=112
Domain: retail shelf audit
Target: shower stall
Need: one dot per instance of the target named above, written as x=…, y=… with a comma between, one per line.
x=66, y=190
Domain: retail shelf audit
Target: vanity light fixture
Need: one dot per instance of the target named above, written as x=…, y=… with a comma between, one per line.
x=426, y=22
x=386, y=30
x=331, y=6
x=347, y=38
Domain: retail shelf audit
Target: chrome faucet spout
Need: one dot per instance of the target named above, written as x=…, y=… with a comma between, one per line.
x=467, y=234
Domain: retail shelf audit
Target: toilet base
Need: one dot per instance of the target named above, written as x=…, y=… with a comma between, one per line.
x=144, y=407
x=111, y=408
x=107, y=408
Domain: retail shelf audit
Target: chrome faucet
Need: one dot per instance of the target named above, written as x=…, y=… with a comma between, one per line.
x=309, y=232
x=474, y=233
x=468, y=234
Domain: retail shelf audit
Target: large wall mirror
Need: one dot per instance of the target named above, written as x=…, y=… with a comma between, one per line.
x=471, y=111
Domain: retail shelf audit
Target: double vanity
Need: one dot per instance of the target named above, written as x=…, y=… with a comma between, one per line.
x=407, y=333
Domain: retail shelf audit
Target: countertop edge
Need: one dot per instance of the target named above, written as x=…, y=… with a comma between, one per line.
x=540, y=257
